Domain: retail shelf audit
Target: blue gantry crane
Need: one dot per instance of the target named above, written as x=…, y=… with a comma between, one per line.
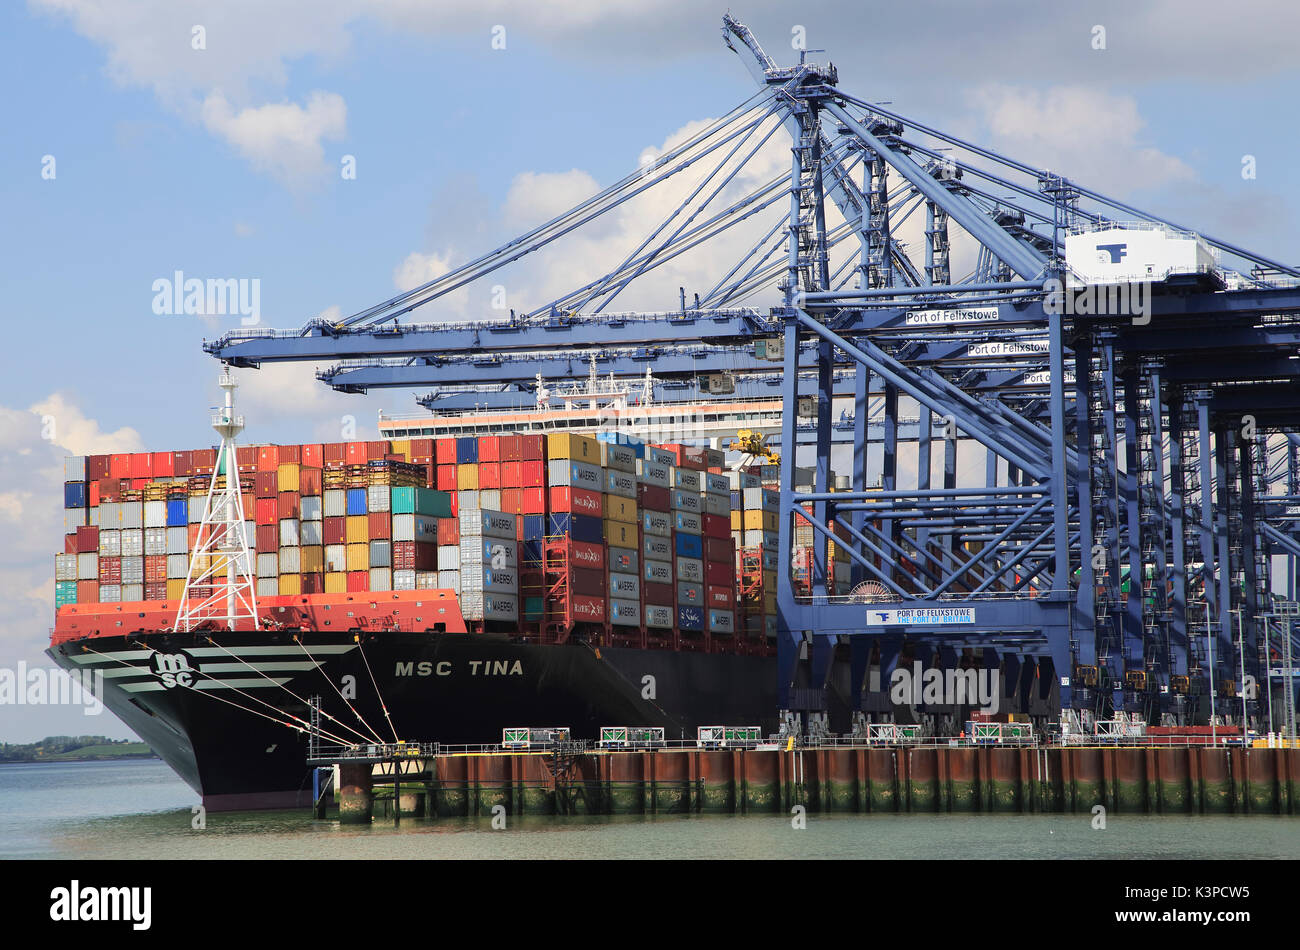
x=1130, y=383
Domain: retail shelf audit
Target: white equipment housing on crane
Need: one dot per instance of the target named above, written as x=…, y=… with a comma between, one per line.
x=1134, y=252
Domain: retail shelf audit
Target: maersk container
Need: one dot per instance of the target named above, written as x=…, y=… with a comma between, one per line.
x=449, y=580
x=687, y=522
x=660, y=618
x=356, y=502
x=624, y=586
x=654, y=473
x=657, y=572
x=660, y=456
x=687, y=479
x=621, y=484
x=485, y=523
x=310, y=508
x=686, y=500
x=75, y=495
x=486, y=605
x=690, y=594
x=110, y=543
x=624, y=613
x=715, y=484
x=690, y=569
x=657, y=523
x=311, y=532
x=625, y=561
x=688, y=545
x=722, y=621
x=494, y=552
x=487, y=579
x=381, y=578
x=566, y=473
x=132, y=515
x=717, y=505
x=621, y=458
x=690, y=618
x=132, y=570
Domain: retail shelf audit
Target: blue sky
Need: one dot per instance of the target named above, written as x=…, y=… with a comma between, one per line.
x=171, y=158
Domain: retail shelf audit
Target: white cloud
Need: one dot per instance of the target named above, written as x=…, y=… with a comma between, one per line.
x=283, y=139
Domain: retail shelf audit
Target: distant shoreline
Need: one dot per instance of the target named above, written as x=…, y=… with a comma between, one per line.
x=56, y=759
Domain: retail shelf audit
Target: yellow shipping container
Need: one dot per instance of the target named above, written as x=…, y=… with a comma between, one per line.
x=290, y=584
x=736, y=524
x=620, y=509
x=175, y=588
x=358, y=529
x=358, y=556
x=769, y=581
x=201, y=562
x=402, y=447
x=467, y=478
x=288, y=476
x=312, y=559
x=336, y=583
x=566, y=445
x=621, y=534
x=755, y=519
x=838, y=552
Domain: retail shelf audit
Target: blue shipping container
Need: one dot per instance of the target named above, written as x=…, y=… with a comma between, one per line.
x=466, y=451
x=532, y=551
x=74, y=495
x=690, y=618
x=534, y=527
x=689, y=545
x=357, y=501
x=578, y=527
x=178, y=512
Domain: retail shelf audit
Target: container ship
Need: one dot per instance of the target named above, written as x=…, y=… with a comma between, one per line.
x=427, y=589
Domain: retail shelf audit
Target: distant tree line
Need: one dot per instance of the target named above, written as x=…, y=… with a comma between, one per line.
x=64, y=747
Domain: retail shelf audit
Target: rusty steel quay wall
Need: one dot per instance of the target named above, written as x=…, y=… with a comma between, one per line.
x=1126, y=781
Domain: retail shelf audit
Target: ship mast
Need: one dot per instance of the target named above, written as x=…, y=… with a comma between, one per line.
x=221, y=546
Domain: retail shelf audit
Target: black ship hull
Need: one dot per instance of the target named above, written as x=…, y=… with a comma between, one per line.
x=229, y=714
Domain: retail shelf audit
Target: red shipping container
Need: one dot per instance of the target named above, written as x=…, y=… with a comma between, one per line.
x=512, y=499
x=381, y=525
x=376, y=450
x=718, y=549
x=97, y=467
x=510, y=449
x=358, y=580
x=335, y=530
x=585, y=609
x=290, y=453
x=533, y=501
x=162, y=465
x=289, y=504
x=93, y=490
x=719, y=572
x=446, y=478
x=268, y=511
x=716, y=526
x=110, y=570
x=309, y=481
x=141, y=465
x=449, y=531
x=489, y=448
x=654, y=497
x=661, y=595
x=87, y=539
x=193, y=534
x=155, y=591
x=489, y=473
x=586, y=555
x=70, y=544
x=356, y=453
x=313, y=456
x=246, y=456
x=336, y=454
x=203, y=458
x=579, y=501
x=721, y=598
x=268, y=538
x=512, y=475
x=183, y=464
x=455, y=503
x=532, y=448
x=422, y=450
x=87, y=592
x=444, y=451
x=268, y=458
x=314, y=583
x=585, y=582
x=265, y=485
x=139, y=484
x=155, y=568
x=119, y=466
x=532, y=473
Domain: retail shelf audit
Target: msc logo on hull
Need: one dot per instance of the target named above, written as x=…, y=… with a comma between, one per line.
x=173, y=669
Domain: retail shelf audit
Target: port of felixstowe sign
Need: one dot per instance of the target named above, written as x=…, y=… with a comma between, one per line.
x=914, y=616
x=970, y=315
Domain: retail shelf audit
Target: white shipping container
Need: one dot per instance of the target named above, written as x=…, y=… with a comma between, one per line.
x=625, y=613
x=335, y=503
x=379, y=498
x=110, y=543
x=718, y=505
x=178, y=540
x=686, y=478
x=178, y=566
x=690, y=569
x=110, y=515
x=659, y=617
x=426, y=580
x=290, y=559
x=312, y=532
x=155, y=514
x=132, y=593
x=755, y=539
x=490, y=499
x=336, y=558
x=195, y=508
x=657, y=523
x=132, y=514
x=403, y=527
x=475, y=605
x=489, y=524
x=74, y=468
x=625, y=586
x=654, y=473
x=403, y=580
x=110, y=593
x=250, y=534
x=687, y=522
x=132, y=542
x=493, y=551
x=73, y=518
x=65, y=567
x=381, y=578
x=133, y=570
x=381, y=554
x=268, y=565
x=155, y=541
x=93, y=518
x=449, y=580
x=290, y=535
x=467, y=501
x=309, y=508
x=448, y=557
x=686, y=500
x=268, y=587
x=87, y=567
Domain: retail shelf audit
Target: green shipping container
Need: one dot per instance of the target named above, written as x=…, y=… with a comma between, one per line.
x=421, y=501
x=65, y=592
x=533, y=608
